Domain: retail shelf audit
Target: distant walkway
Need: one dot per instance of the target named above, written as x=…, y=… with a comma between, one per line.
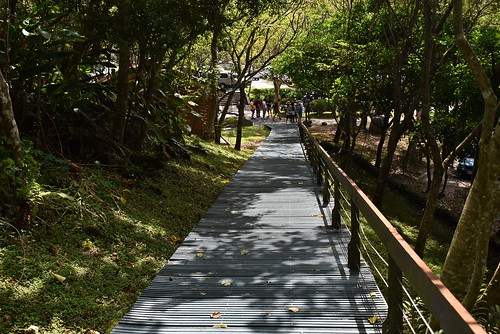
x=262, y=260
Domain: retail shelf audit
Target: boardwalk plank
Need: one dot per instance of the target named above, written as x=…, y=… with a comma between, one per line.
x=262, y=248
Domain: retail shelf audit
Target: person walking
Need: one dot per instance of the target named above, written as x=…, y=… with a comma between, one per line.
x=269, y=105
x=299, y=111
x=264, y=108
x=293, y=113
x=258, y=106
x=288, y=112
x=307, y=107
x=252, y=107
x=276, y=109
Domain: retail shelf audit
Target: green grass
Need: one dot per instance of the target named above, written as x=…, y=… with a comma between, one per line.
x=108, y=240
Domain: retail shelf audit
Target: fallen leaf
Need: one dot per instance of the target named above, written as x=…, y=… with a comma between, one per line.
x=234, y=212
x=373, y=319
x=244, y=253
x=200, y=255
x=224, y=181
x=215, y=315
x=54, y=250
x=220, y=326
x=123, y=200
x=59, y=277
x=293, y=309
x=175, y=238
x=33, y=329
x=88, y=244
x=224, y=283
x=269, y=315
x=203, y=293
x=373, y=294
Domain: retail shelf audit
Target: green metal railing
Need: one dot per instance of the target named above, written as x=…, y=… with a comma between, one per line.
x=403, y=262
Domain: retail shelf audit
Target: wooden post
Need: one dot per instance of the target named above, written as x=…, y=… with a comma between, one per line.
x=336, y=208
x=393, y=324
x=319, y=174
x=326, y=190
x=353, y=255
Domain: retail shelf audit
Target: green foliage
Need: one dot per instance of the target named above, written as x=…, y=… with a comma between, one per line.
x=487, y=316
x=285, y=93
x=320, y=106
x=19, y=184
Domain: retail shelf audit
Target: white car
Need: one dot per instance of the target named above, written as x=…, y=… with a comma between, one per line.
x=225, y=79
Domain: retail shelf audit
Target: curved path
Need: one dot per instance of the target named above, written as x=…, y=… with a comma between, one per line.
x=262, y=260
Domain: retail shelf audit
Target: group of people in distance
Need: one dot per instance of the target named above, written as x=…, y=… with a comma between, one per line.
x=293, y=110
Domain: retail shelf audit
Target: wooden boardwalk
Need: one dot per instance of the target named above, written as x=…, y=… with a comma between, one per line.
x=261, y=252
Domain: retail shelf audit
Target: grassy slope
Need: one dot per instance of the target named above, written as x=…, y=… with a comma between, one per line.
x=108, y=241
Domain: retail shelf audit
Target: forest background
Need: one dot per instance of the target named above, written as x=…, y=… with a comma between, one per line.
x=116, y=88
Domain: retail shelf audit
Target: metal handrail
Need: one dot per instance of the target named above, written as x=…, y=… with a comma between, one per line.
x=445, y=308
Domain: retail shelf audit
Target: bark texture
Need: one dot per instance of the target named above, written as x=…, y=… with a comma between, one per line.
x=465, y=262
x=8, y=125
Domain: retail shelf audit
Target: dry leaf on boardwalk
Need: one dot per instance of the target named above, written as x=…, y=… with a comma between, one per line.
x=215, y=315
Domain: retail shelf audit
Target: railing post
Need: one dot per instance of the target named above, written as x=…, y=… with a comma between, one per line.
x=353, y=255
x=393, y=324
x=336, y=205
x=319, y=173
x=326, y=189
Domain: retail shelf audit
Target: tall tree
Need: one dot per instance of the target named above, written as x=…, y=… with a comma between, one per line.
x=404, y=44
x=252, y=46
x=465, y=262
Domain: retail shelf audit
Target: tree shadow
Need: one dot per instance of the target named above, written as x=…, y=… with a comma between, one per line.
x=263, y=257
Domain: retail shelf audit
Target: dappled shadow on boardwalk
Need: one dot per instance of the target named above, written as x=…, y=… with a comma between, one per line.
x=262, y=251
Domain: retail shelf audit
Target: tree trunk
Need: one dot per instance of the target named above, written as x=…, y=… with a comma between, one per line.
x=435, y=152
x=120, y=108
x=214, y=98
x=122, y=86
x=20, y=206
x=241, y=116
x=383, y=136
x=277, y=82
x=220, y=122
x=465, y=262
x=397, y=127
x=8, y=123
x=410, y=155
